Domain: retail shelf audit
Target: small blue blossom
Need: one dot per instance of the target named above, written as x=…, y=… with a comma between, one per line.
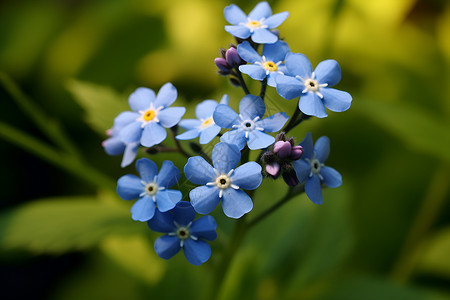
x=313, y=87
x=150, y=115
x=183, y=233
x=256, y=24
x=268, y=65
x=152, y=188
x=204, y=124
x=248, y=127
x=311, y=169
x=223, y=181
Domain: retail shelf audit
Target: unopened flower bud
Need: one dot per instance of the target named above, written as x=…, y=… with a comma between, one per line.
x=235, y=82
x=290, y=178
x=223, y=66
x=232, y=57
x=283, y=149
x=273, y=169
x=296, y=152
x=281, y=137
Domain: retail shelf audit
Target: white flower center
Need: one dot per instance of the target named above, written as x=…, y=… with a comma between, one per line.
x=223, y=182
x=151, y=189
x=268, y=65
x=254, y=24
x=248, y=125
x=312, y=85
x=315, y=165
x=149, y=115
x=183, y=233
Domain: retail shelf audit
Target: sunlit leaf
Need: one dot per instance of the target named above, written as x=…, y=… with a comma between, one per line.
x=436, y=252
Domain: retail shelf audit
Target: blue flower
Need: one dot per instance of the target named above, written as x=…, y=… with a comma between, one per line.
x=268, y=65
x=313, y=87
x=150, y=115
x=151, y=188
x=223, y=181
x=248, y=127
x=256, y=25
x=183, y=232
x=204, y=125
x=311, y=169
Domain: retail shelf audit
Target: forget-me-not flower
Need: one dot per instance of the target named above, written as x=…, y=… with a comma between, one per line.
x=248, y=127
x=256, y=24
x=204, y=124
x=184, y=233
x=311, y=169
x=313, y=87
x=268, y=65
x=150, y=115
x=223, y=181
x=152, y=188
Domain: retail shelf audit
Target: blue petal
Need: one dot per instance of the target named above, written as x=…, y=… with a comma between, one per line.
x=131, y=133
x=289, y=87
x=247, y=53
x=234, y=15
x=113, y=146
x=298, y=64
x=276, y=52
x=196, y=252
x=313, y=189
x=184, y=213
x=225, y=157
x=188, y=135
x=331, y=177
x=312, y=105
x=307, y=144
x=130, y=154
x=207, y=134
x=236, y=203
x=247, y=176
x=259, y=140
x=264, y=36
x=169, y=117
x=328, y=71
x=204, y=228
x=274, y=122
x=261, y=10
x=239, y=31
x=140, y=99
x=276, y=20
x=168, y=175
x=271, y=79
x=125, y=118
x=129, y=187
x=197, y=170
x=205, y=109
x=256, y=72
x=251, y=107
x=322, y=148
x=235, y=137
x=167, y=246
x=153, y=134
x=225, y=117
x=204, y=199
x=190, y=123
x=166, y=95
x=161, y=222
x=143, y=210
x=147, y=169
x=224, y=99
x=336, y=100
x=302, y=169
x=167, y=199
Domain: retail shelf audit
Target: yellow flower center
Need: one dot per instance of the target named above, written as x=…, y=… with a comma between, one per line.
x=270, y=66
x=149, y=115
x=208, y=122
x=253, y=24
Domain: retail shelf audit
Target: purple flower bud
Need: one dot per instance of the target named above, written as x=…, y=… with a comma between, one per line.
x=283, y=149
x=290, y=178
x=233, y=58
x=273, y=169
x=222, y=64
x=296, y=152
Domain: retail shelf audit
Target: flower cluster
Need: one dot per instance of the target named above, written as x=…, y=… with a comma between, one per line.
x=227, y=176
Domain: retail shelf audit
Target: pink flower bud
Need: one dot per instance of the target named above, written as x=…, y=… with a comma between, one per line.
x=273, y=169
x=283, y=149
x=296, y=153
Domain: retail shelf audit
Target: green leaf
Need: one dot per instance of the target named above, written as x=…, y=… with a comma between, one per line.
x=102, y=104
x=435, y=256
x=417, y=128
x=62, y=224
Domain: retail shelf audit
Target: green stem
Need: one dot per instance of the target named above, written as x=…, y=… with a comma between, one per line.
x=262, y=94
x=48, y=126
x=292, y=120
x=66, y=162
x=174, y=130
x=427, y=214
x=241, y=81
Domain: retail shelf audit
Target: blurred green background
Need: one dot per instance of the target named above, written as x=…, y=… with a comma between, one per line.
x=67, y=68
